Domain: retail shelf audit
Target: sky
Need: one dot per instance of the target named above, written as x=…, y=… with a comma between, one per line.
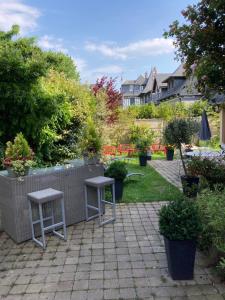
x=116, y=38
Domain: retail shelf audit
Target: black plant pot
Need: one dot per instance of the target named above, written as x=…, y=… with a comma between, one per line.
x=169, y=154
x=118, y=189
x=180, y=258
x=143, y=160
x=190, y=185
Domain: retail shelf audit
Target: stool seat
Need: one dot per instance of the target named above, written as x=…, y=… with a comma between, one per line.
x=99, y=181
x=45, y=195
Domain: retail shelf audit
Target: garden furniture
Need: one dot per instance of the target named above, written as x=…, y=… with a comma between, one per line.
x=68, y=178
x=210, y=154
x=42, y=198
x=99, y=183
x=109, y=150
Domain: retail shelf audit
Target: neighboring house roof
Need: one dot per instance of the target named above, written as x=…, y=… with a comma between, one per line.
x=160, y=77
x=150, y=82
x=179, y=72
x=141, y=80
x=127, y=82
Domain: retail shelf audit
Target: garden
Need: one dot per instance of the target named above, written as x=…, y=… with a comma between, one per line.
x=59, y=135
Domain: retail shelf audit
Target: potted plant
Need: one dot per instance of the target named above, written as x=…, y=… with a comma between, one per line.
x=179, y=223
x=178, y=132
x=91, y=143
x=142, y=146
x=169, y=152
x=19, y=157
x=118, y=171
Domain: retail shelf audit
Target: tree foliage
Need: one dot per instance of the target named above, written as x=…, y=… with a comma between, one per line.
x=200, y=43
x=113, y=97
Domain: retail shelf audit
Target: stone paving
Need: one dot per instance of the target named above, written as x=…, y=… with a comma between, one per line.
x=124, y=260
x=170, y=170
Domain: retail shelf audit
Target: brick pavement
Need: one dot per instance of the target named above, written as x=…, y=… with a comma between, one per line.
x=125, y=260
x=170, y=170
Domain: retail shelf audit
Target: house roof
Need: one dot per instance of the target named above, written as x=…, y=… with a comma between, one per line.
x=141, y=80
x=179, y=72
x=160, y=77
x=150, y=81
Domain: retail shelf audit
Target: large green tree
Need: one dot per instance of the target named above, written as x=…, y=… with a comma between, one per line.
x=200, y=43
x=33, y=99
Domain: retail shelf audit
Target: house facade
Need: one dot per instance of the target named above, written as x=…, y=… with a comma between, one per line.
x=160, y=87
x=131, y=90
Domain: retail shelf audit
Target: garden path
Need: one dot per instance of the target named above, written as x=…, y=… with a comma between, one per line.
x=124, y=260
x=170, y=170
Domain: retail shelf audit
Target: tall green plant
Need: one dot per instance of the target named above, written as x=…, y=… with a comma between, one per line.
x=178, y=132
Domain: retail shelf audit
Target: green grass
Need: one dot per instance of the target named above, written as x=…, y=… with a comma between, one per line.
x=148, y=188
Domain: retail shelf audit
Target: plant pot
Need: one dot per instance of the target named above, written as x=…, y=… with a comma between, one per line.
x=149, y=155
x=169, y=154
x=118, y=189
x=143, y=160
x=180, y=258
x=190, y=185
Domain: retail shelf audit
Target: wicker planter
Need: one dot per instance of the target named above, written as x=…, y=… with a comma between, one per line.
x=14, y=203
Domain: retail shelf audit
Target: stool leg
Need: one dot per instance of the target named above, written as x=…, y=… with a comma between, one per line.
x=31, y=220
x=42, y=225
x=86, y=202
x=114, y=201
x=63, y=218
x=99, y=206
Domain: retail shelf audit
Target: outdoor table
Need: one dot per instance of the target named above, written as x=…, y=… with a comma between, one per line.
x=67, y=178
x=199, y=153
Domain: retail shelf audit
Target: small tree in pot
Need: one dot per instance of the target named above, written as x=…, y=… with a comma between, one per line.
x=169, y=152
x=118, y=171
x=19, y=157
x=178, y=132
x=179, y=223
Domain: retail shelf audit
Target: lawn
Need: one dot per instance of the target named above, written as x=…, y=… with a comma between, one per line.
x=150, y=187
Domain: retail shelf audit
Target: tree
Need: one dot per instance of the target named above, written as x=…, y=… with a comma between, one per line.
x=62, y=63
x=200, y=43
x=113, y=97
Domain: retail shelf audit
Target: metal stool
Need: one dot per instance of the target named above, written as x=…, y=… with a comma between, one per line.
x=100, y=183
x=42, y=197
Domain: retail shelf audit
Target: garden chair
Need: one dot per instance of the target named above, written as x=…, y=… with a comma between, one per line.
x=109, y=150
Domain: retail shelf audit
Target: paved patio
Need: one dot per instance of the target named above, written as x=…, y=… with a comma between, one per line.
x=170, y=170
x=125, y=260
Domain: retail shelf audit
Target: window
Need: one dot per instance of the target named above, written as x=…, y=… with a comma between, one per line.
x=132, y=101
x=131, y=88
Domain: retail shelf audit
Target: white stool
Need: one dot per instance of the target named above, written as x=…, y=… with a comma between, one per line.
x=42, y=197
x=100, y=183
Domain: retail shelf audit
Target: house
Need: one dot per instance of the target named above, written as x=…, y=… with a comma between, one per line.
x=160, y=87
x=131, y=90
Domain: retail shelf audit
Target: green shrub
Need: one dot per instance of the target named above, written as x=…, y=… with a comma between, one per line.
x=179, y=220
x=212, y=214
x=117, y=170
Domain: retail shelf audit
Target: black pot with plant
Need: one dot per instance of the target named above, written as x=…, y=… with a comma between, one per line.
x=118, y=171
x=178, y=132
x=142, y=146
x=169, y=152
x=179, y=223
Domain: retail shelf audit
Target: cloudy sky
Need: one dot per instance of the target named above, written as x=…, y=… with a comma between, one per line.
x=118, y=38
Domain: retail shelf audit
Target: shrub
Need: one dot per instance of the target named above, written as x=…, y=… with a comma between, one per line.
x=212, y=213
x=179, y=220
x=117, y=170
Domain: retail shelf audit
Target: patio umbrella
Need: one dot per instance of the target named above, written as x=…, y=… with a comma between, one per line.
x=205, y=132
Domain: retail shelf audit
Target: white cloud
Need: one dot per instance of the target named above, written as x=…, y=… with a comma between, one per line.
x=51, y=43
x=91, y=75
x=146, y=47
x=15, y=12
x=80, y=63
x=108, y=70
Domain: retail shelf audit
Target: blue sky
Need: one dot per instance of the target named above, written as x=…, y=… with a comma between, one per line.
x=120, y=38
